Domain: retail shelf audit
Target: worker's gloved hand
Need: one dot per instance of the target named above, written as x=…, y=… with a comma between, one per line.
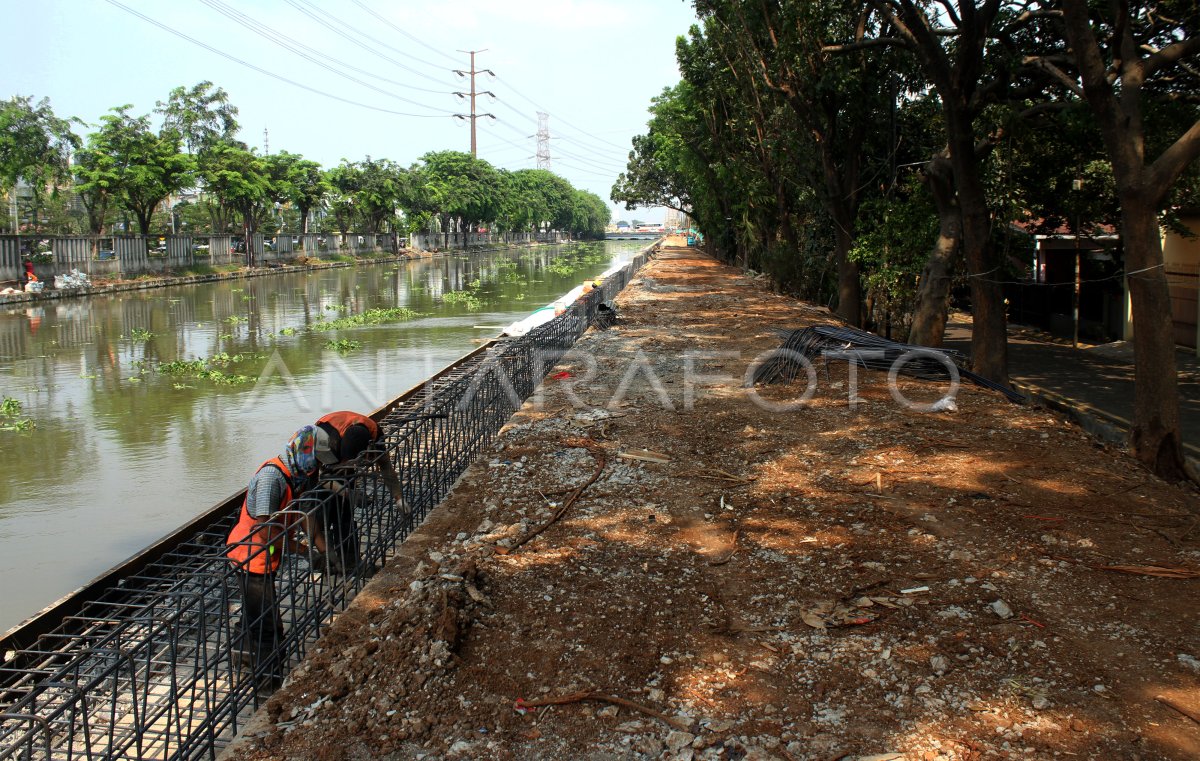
x=317, y=561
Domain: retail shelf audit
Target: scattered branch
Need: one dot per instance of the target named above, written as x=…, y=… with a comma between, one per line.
x=1178, y=708
x=597, y=452
x=579, y=697
x=1158, y=571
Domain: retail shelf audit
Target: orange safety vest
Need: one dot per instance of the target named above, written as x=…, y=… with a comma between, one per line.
x=252, y=554
x=341, y=422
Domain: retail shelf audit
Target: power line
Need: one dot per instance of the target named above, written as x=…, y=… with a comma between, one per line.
x=287, y=43
x=261, y=70
x=510, y=147
x=564, y=121
x=354, y=38
x=614, y=169
x=588, y=171
x=599, y=165
x=623, y=154
x=591, y=148
x=412, y=37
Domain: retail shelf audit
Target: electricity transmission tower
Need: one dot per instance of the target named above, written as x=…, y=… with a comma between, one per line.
x=543, y=140
x=473, y=116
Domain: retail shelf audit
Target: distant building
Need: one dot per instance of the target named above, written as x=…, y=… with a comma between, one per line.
x=1181, y=258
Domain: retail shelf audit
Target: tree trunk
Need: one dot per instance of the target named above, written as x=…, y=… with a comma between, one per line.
x=989, y=337
x=144, y=218
x=933, y=293
x=849, y=285
x=246, y=238
x=1155, y=437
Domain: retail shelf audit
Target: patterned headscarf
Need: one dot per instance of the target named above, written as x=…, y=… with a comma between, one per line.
x=300, y=455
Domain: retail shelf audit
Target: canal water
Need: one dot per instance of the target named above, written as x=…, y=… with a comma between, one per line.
x=123, y=452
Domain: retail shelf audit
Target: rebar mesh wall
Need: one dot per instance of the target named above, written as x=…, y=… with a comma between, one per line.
x=151, y=668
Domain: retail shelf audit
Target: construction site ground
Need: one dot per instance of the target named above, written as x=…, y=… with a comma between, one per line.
x=738, y=581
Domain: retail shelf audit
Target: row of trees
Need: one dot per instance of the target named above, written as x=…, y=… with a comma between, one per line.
x=873, y=154
x=127, y=169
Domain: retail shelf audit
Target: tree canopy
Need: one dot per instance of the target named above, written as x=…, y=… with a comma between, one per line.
x=829, y=144
x=125, y=171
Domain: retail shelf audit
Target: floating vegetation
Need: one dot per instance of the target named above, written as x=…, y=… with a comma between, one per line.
x=181, y=386
x=568, y=265
x=10, y=416
x=288, y=332
x=561, y=268
x=468, y=299
x=369, y=317
x=237, y=318
x=140, y=334
x=224, y=359
x=337, y=307
x=507, y=271
x=183, y=367
x=343, y=345
x=209, y=369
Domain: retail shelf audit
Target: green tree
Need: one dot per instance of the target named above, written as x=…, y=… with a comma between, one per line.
x=127, y=162
x=302, y=183
x=589, y=215
x=461, y=187
x=202, y=115
x=776, y=53
x=35, y=145
x=238, y=179
x=378, y=194
x=972, y=54
x=98, y=178
x=1126, y=55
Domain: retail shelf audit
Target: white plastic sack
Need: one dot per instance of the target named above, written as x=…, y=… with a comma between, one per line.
x=73, y=279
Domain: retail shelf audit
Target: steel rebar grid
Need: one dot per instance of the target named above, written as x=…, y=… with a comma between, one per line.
x=865, y=350
x=148, y=669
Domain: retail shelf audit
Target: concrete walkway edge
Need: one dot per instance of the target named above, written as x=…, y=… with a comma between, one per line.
x=1109, y=428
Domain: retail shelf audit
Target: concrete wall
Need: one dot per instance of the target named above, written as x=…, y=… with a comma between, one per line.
x=1181, y=259
x=127, y=256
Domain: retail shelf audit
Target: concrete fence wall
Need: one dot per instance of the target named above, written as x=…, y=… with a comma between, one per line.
x=127, y=256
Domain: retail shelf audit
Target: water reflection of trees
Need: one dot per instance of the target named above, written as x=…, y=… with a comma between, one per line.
x=81, y=358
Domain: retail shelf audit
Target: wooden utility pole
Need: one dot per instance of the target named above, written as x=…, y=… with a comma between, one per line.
x=472, y=94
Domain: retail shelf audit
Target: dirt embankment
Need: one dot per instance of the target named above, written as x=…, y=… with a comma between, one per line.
x=825, y=583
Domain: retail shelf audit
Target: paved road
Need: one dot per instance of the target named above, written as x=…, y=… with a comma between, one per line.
x=1097, y=380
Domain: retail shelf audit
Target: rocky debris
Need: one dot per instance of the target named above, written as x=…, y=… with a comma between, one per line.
x=372, y=663
x=825, y=583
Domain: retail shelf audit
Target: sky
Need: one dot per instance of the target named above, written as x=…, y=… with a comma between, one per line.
x=592, y=65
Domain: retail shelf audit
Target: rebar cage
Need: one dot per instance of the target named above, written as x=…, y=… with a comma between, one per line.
x=154, y=667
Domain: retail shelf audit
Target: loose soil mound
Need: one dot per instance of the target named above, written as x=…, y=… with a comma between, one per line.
x=823, y=583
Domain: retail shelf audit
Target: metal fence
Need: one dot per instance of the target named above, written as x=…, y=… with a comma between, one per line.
x=151, y=668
